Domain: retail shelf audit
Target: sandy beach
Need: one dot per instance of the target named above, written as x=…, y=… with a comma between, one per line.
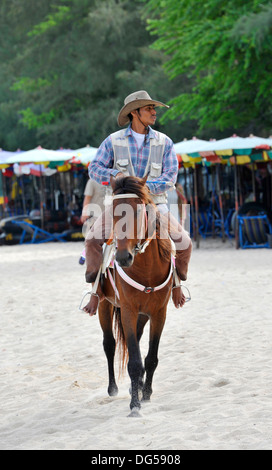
x=212, y=389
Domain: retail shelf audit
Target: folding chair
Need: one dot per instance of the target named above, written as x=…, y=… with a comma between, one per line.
x=254, y=230
x=38, y=235
x=209, y=223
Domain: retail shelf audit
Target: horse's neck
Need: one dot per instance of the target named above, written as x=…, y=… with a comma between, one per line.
x=150, y=265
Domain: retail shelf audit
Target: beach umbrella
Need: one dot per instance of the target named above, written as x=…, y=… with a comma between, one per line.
x=190, y=146
x=32, y=169
x=236, y=143
x=4, y=155
x=82, y=155
x=39, y=155
x=245, y=147
x=85, y=154
x=243, y=144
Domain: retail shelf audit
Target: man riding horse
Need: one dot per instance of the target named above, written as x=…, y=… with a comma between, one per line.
x=138, y=151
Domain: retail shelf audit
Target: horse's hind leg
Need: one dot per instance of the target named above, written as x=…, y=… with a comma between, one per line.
x=106, y=320
x=151, y=360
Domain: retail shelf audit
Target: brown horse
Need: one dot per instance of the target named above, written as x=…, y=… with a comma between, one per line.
x=145, y=262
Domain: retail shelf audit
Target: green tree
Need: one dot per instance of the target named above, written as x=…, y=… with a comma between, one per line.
x=224, y=49
x=68, y=66
x=16, y=18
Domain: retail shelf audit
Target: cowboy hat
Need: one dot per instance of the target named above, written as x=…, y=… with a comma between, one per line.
x=135, y=100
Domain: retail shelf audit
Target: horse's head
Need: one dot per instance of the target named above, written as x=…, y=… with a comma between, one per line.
x=130, y=197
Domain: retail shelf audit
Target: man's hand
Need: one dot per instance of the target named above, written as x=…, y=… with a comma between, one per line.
x=83, y=218
x=119, y=175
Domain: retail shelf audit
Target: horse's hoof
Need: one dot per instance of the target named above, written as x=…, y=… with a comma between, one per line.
x=145, y=399
x=113, y=391
x=135, y=413
x=146, y=395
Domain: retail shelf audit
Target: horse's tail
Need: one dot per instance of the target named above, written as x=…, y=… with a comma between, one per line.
x=120, y=340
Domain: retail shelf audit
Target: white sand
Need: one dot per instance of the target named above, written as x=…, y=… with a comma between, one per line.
x=213, y=385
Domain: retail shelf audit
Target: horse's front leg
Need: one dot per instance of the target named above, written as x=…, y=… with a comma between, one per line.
x=136, y=372
x=135, y=365
x=151, y=360
x=106, y=319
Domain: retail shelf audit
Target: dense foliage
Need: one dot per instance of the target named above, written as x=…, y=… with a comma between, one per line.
x=224, y=47
x=66, y=67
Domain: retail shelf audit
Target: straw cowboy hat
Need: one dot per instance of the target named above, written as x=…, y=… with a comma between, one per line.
x=135, y=100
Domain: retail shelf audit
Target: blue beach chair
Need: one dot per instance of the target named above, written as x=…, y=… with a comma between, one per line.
x=37, y=234
x=254, y=231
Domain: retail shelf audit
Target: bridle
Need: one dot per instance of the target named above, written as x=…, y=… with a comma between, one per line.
x=139, y=248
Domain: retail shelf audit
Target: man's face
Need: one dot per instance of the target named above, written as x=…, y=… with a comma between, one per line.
x=147, y=115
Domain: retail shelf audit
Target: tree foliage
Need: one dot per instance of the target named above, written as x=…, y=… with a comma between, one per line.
x=67, y=67
x=224, y=49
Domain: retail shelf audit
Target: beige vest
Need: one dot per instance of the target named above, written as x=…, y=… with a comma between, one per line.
x=123, y=163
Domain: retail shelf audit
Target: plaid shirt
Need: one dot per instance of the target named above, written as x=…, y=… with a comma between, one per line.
x=101, y=168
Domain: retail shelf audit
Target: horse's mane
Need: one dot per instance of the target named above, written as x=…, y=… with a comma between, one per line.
x=132, y=184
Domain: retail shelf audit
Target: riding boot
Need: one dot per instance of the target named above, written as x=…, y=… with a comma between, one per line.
x=181, y=264
x=182, y=242
x=93, y=262
x=94, y=258
x=183, y=245
x=182, y=261
x=96, y=237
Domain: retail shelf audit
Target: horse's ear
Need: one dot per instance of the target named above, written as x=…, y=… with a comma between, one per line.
x=114, y=178
x=144, y=179
x=112, y=182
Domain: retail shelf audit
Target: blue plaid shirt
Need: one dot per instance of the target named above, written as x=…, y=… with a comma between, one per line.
x=101, y=168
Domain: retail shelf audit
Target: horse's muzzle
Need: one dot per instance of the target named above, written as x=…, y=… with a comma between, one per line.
x=124, y=258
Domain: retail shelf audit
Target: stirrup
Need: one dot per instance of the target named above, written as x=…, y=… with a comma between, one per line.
x=177, y=284
x=87, y=293
x=187, y=299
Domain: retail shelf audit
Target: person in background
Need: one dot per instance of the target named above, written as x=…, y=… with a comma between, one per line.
x=181, y=201
x=94, y=193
